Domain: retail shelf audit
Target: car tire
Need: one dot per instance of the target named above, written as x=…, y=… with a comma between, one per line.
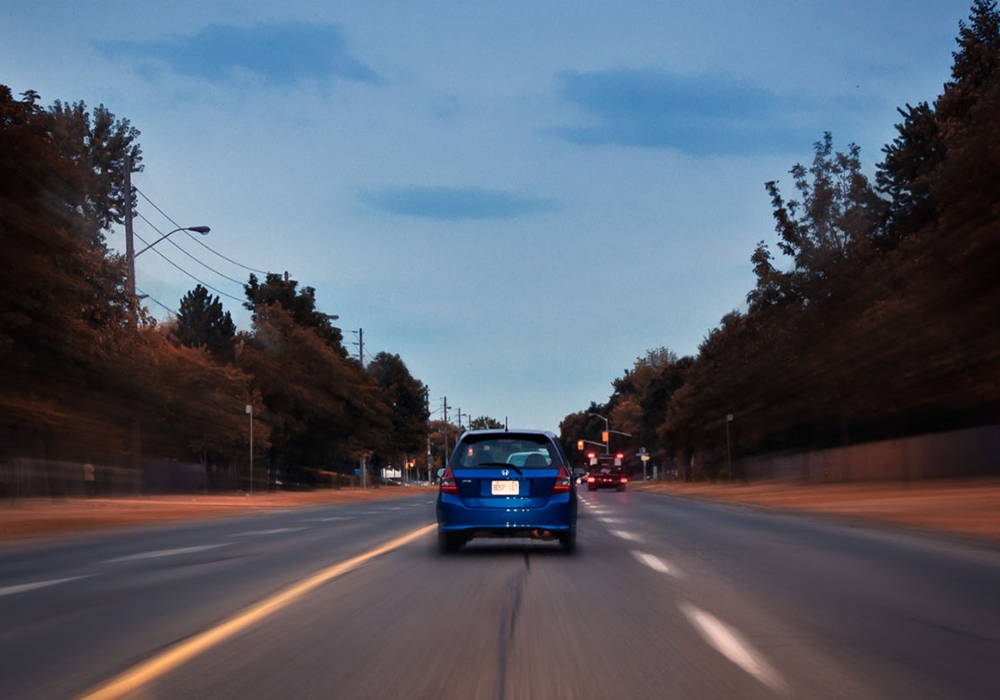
x=448, y=542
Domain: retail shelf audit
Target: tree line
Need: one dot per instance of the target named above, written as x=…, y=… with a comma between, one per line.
x=877, y=317
x=88, y=376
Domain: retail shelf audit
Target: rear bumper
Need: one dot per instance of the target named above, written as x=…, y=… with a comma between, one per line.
x=558, y=515
x=606, y=484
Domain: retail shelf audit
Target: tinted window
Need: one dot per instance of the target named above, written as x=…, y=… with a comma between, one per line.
x=522, y=451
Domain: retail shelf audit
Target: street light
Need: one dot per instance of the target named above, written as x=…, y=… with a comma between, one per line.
x=203, y=230
x=250, y=413
x=729, y=458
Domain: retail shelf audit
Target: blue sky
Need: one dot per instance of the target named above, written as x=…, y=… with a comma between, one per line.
x=519, y=198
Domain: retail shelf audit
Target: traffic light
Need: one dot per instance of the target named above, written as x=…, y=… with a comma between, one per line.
x=604, y=436
x=579, y=445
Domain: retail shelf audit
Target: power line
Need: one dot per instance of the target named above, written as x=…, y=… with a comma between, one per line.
x=201, y=243
x=174, y=244
x=201, y=282
x=160, y=304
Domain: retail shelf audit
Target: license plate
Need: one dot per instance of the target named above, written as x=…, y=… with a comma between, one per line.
x=506, y=488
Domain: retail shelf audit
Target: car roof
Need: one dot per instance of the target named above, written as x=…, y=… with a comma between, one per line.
x=500, y=432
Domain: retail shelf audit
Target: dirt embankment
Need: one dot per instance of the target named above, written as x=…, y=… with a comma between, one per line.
x=41, y=516
x=967, y=507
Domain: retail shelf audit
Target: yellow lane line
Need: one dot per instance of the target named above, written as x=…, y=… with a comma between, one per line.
x=182, y=652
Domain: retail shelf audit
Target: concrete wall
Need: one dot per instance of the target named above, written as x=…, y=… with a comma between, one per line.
x=971, y=452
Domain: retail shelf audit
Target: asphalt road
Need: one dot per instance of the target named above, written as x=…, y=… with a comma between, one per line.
x=666, y=598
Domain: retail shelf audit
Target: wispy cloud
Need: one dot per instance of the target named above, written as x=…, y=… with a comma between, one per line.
x=453, y=203
x=651, y=108
x=282, y=54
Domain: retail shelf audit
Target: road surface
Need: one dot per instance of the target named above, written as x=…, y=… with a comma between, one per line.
x=666, y=598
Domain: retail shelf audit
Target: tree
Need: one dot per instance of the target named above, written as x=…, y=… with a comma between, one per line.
x=406, y=399
x=908, y=172
x=301, y=304
x=62, y=303
x=485, y=423
x=833, y=225
x=322, y=408
x=201, y=322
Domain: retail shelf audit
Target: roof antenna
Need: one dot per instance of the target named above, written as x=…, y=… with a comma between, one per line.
x=505, y=428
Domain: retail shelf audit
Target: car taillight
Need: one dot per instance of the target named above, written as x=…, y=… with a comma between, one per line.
x=591, y=479
x=448, y=484
x=563, y=481
x=624, y=479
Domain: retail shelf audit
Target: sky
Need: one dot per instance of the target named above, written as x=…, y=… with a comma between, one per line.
x=519, y=198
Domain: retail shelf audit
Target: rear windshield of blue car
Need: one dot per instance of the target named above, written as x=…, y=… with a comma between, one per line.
x=520, y=451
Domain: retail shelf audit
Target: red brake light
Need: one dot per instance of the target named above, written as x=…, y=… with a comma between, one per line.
x=563, y=481
x=591, y=479
x=624, y=479
x=448, y=484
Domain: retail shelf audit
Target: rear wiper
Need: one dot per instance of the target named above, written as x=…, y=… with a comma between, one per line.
x=500, y=464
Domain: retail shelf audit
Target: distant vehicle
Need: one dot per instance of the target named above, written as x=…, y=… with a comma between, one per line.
x=606, y=472
x=501, y=483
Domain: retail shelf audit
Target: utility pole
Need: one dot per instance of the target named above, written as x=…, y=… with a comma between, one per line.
x=460, y=421
x=430, y=465
x=361, y=347
x=444, y=458
x=129, y=243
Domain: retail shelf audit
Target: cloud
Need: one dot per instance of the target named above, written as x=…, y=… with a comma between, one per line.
x=280, y=55
x=453, y=203
x=651, y=108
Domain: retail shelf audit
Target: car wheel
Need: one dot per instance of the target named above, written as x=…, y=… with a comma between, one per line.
x=568, y=541
x=449, y=541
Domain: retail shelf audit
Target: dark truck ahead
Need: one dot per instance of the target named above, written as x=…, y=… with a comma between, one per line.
x=606, y=472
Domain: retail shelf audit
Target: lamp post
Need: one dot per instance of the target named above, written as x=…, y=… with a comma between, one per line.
x=729, y=459
x=203, y=230
x=250, y=413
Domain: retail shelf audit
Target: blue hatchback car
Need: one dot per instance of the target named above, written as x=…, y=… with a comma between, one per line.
x=507, y=483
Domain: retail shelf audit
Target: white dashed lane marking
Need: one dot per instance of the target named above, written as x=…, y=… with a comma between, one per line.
x=279, y=530
x=657, y=564
x=25, y=587
x=631, y=536
x=728, y=642
x=155, y=554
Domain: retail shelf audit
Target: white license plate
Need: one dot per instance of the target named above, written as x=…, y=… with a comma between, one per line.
x=506, y=488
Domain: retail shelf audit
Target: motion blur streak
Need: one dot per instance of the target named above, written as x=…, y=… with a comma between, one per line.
x=159, y=665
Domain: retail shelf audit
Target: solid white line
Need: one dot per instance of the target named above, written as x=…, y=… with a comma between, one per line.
x=626, y=535
x=24, y=587
x=728, y=642
x=165, y=553
x=657, y=564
